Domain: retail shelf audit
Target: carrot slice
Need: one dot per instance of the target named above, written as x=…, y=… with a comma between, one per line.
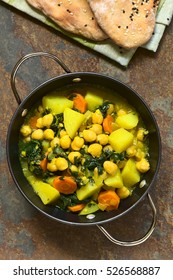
x=43, y=164
x=108, y=124
x=108, y=200
x=65, y=184
x=33, y=121
x=77, y=207
x=79, y=103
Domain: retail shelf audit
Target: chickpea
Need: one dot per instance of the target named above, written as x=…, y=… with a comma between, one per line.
x=97, y=117
x=110, y=167
x=40, y=109
x=73, y=155
x=37, y=134
x=28, y=139
x=60, y=125
x=62, y=133
x=110, y=110
x=103, y=139
x=39, y=123
x=121, y=112
x=65, y=142
x=51, y=166
x=84, y=180
x=48, y=134
x=131, y=151
x=61, y=163
x=77, y=143
x=89, y=135
x=143, y=165
x=23, y=154
x=54, y=142
x=123, y=192
x=141, y=134
x=49, y=150
x=108, y=148
x=139, y=154
x=47, y=120
x=25, y=130
x=140, y=144
x=97, y=128
x=95, y=149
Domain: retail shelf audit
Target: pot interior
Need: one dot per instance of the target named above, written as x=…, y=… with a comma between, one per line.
x=76, y=80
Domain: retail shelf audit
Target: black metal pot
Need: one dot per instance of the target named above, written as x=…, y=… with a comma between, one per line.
x=92, y=79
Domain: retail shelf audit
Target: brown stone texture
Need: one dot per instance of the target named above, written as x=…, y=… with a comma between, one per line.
x=27, y=234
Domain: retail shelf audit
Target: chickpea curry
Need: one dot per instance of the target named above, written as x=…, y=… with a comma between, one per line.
x=82, y=152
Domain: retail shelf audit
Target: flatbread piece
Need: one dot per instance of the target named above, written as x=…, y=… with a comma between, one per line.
x=73, y=16
x=129, y=23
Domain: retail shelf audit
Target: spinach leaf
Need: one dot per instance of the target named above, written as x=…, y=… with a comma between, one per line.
x=33, y=155
x=56, y=121
x=33, y=150
x=69, y=200
x=104, y=107
x=92, y=162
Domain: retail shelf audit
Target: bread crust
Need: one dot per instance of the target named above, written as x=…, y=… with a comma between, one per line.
x=73, y=16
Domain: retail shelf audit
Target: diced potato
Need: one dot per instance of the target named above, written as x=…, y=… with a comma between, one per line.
x=90, y=207
x=128, y=121
x=115, y=181
x=72, y=121
x=57, y=104
x=46, y=192
x=93, y=101
x=120, y=139
x=130, y=174
x=86, y=191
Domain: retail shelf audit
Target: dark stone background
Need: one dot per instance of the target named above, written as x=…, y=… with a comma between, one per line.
x=25, y=233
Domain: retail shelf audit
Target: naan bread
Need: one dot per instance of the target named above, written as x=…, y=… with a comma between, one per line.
x=129, y=23
x=74, y=16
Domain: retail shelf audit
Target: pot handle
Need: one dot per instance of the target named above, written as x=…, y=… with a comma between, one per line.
x=135, y=242
x=20, y=62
